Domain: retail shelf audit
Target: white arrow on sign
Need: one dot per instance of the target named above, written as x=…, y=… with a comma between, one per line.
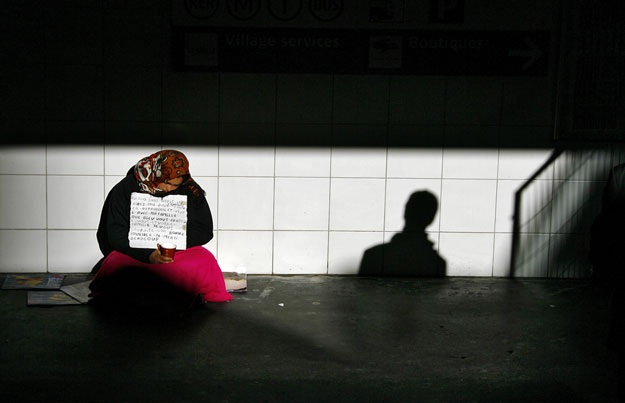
x=532, y=53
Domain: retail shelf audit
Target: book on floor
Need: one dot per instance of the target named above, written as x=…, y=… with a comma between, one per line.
x=50, y=298
x=33, y=281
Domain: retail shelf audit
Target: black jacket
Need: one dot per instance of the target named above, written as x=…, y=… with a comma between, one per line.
x=115, y=219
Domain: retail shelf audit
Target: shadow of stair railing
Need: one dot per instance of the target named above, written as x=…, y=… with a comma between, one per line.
x=553, y=212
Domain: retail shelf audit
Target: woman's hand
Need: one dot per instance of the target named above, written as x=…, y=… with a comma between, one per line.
x=157, y=258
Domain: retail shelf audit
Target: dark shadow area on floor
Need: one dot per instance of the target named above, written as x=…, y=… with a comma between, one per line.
x=136, y=294
x=313, y=391
x=409, y=253
x=321, y=338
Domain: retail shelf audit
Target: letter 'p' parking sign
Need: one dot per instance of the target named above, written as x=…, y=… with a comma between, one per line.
x=447, y=11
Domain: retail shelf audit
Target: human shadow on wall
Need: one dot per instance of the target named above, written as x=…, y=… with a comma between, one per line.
x=409, y=253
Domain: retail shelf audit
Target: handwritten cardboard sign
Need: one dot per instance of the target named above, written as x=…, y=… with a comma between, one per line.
x=157, y=219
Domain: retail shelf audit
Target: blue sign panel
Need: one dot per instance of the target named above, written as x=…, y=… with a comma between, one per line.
x=420, y=52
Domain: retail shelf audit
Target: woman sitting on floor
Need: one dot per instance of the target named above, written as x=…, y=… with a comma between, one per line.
x=193, y=271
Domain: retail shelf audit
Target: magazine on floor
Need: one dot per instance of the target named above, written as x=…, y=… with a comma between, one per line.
x=50, y=298
x=78, y=291
x=33, y=281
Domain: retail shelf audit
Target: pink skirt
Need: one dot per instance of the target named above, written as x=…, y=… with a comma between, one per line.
x=194, y=270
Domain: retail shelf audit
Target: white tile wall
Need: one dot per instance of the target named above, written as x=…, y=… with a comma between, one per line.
x=527, y=102
x=388, y=235
x=246, y=161
x=349, y=151
x=474, y=217
x=247, y=98
x=25, y=88
x=357, y=204
x=213, y=245
x=521, y=163
x=110, y=182
x=211, y=187
x=302, y=203
x=581, y=165
x=470, y=164
x=304, y=98
x=23, y=160
x=74, y=93
x=467, y=254
x=536, y=207
x=462, y=160
x=72, y=251
x=532, y=259
x=24, y=206
x=75, y=160
x=506, y=190
x=75, y=202
x=23, y=251
x=353, y=161
x=133, y=93
x=483, y=94
x=359, y=162
x=303, y=162
x=128, y=38
x=246, y=203
x=298, y=252
x=398, y=192
x=567, y=193
x=191, y=97
x=118, y=159
x=417, y=100
x=415, y=162
x=468, y=205
x=250, y=249
x=432, y=236
x=360, y=99
x=503, y=250
x=347, y=248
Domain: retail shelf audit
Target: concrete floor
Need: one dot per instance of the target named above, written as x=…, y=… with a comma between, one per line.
x=334, y=339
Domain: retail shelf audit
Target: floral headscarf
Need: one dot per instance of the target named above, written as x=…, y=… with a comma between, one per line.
x=163, y=166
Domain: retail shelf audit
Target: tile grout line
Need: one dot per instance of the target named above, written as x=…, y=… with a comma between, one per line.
x=442, y=166
x=217, y=228
x=494, y=249
x=492, y=274
x=273, y=201
x=104, y=121
x=330, y=178
x=46, y=130
x=273, y=176
x=550, y=233
x=47, y=225
x=388, y=123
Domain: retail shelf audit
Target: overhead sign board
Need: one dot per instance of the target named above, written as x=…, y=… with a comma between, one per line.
x=362, y=51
